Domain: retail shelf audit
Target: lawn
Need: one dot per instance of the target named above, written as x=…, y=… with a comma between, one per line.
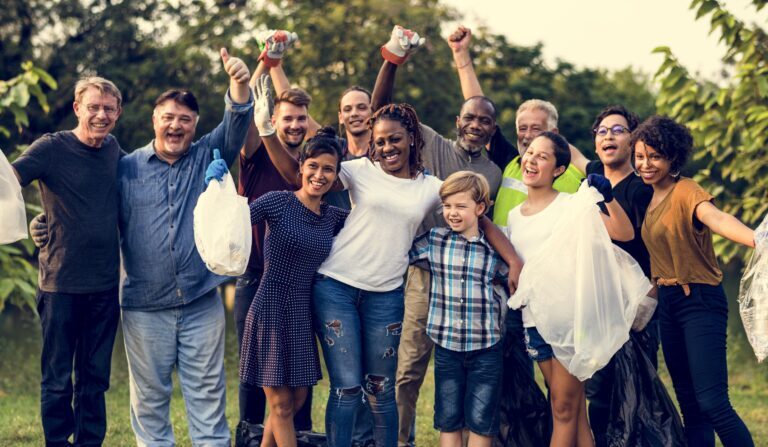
x=20, y=375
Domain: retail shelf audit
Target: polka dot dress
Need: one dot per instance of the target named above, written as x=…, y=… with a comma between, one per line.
x=279, y=347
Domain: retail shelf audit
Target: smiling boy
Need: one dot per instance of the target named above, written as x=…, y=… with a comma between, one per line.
x=465, y=316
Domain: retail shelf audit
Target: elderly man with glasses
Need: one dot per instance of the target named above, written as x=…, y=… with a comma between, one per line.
x=77, y=297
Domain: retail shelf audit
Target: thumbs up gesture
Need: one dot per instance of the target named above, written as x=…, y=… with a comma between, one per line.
x=273, y=44
x=235, y=68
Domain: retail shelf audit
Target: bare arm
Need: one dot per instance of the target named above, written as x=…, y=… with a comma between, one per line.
x=459, y=42
x=504, y=248
x=617, y=223
x=578, y=159
x=282, y=159
x=384, y=87
x=724, y=224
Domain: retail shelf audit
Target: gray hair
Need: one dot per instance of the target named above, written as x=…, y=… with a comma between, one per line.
x=539, y=104
x=105, y=86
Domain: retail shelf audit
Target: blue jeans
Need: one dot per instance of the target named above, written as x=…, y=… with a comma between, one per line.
x=190, y=339
x=693, y=334
x=360, y=333
x=467, y=389
x=77, y=329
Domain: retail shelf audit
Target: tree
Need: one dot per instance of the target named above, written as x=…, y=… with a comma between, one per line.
x=729, y=120
x=17, y=275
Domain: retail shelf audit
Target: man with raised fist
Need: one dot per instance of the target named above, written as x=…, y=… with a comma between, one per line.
x=173, y=317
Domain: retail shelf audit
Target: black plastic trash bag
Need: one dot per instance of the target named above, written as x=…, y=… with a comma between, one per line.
x=642, y=412
x=525, y=416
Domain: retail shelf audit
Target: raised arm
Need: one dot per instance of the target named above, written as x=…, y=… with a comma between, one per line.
x=402, y=43
x=238, y=78
x=253, y=139
x=262, y=117
x=505, y=249
x=578, y=159
x=724, y=224
x=459, y=42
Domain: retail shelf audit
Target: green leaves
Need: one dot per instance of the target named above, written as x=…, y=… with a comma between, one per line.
x=729, y=122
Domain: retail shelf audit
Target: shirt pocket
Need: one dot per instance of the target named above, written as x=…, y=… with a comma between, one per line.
x=142, y=193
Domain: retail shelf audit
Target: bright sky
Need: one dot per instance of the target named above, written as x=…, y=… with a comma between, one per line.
x=611, y=34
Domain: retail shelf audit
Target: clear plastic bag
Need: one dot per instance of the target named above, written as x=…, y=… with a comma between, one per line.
x=582, y=290
x=13, y=215
x=222, y=222
x=753, y=294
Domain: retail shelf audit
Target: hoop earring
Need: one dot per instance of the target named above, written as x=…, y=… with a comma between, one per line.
x=675, y=174
x=634, y=171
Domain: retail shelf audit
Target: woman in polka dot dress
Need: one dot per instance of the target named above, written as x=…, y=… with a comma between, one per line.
x=279, y=352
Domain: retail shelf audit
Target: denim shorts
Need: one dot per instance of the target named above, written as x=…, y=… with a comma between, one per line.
x=538, y=349
x=467, y=389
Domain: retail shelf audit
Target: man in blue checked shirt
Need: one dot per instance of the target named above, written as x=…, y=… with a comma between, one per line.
x=172, y=314
x=465, y=316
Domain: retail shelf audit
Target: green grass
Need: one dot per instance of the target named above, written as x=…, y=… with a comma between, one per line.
x=20, y=390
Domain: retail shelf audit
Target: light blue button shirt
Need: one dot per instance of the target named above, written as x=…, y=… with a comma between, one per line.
x=163, y=268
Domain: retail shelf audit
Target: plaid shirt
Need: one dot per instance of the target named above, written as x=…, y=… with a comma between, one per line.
x=464, y=313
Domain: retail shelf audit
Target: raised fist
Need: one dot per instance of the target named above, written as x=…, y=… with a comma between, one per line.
x=402, y=43
x=273, y=44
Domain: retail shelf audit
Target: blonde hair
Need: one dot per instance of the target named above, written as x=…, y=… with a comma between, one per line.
x=467, y=181
x=105, y=86
x=539, y=104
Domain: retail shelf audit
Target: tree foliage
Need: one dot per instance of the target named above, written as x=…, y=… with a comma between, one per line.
x=17, y=275
x=729, y=120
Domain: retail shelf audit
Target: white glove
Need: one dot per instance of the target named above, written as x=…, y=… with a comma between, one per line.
x=644, y=313
x=263, y=106
x=273, y=44
x=402, y=43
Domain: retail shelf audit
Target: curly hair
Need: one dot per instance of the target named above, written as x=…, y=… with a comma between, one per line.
x=405, y=114
x=617, y=109
x=669, y=138
x=325, y=141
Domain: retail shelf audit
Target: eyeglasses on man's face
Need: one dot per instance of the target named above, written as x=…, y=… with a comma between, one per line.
x=95, y=108
x=615, y=130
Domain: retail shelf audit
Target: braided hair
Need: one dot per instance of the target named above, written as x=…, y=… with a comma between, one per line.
x=405, y=114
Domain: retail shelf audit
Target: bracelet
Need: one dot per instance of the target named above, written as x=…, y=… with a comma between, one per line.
x=459, y=67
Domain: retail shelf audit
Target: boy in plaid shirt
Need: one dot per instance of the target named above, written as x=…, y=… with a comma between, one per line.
x=465, y=316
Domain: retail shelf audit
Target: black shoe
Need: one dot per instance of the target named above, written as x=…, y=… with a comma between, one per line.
x=248, y=435
x=308, y=438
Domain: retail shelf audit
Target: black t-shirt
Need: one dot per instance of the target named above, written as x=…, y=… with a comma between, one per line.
x=78, y=186
x=634, y=196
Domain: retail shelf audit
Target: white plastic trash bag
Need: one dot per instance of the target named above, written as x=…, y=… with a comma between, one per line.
x=753, y=294
x=582, y=290
x=223, y=228
x=13, y=216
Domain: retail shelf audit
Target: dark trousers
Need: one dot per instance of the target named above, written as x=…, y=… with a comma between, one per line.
x=693, y=339
x=78, y=332
x=252, y=401
x=598, y=388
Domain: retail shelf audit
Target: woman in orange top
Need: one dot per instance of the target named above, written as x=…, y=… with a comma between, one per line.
x=677, y=231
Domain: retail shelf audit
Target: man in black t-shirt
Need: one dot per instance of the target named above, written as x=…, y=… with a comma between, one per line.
x=77, y=297
x=612, y=129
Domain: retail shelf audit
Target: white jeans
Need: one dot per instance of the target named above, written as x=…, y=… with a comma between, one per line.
x=191, y=339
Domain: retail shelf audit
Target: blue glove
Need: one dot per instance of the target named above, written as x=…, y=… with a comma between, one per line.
x=216, y=169
x=602, y=185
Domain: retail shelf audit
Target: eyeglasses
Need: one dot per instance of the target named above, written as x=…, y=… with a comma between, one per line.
x=95, y=108
x=615, y=130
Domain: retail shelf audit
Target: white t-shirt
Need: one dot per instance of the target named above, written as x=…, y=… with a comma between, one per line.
x=527, y=233
x=371, y=251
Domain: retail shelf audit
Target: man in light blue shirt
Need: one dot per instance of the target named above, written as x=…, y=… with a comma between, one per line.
x=172, y=314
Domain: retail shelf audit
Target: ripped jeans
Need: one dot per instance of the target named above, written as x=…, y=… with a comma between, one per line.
x=360, y=333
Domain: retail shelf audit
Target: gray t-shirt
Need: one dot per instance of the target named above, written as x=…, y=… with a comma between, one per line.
x=78, y=186
x=442, y=157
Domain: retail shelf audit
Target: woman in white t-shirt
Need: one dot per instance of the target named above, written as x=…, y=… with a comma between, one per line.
x=530, y=224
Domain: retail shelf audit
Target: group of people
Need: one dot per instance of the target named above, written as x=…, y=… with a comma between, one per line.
x=375, y=245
